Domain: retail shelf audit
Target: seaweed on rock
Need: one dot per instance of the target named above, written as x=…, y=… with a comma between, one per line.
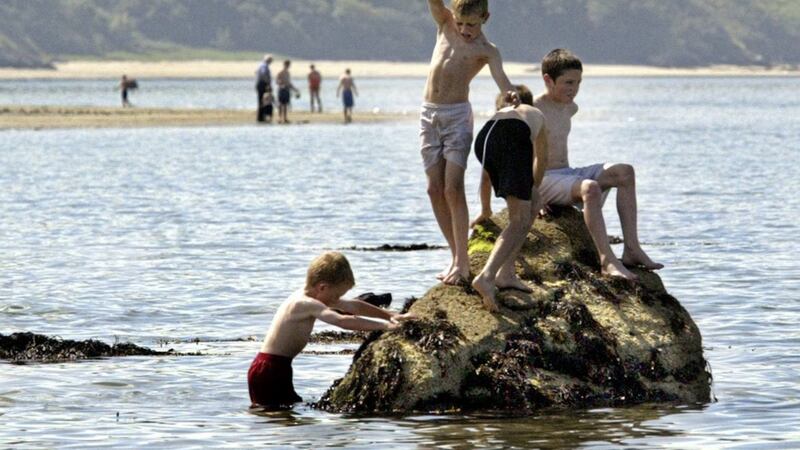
x=579, y=340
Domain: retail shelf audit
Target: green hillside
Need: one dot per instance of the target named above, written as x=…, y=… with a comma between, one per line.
x=659, y=32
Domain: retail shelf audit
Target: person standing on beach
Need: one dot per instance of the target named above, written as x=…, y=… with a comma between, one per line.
x=347, y=87
x=285, y=88
x=263, y=84
x=124, y=85
x=446, y=120
x=314, y=82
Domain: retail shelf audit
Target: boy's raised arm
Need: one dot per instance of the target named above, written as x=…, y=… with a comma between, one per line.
x=439, y=12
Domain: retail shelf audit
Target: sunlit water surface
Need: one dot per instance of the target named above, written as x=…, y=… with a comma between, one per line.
x=172, y=234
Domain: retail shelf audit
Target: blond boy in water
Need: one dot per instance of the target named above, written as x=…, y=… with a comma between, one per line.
x=446, y=120
x=328, y=278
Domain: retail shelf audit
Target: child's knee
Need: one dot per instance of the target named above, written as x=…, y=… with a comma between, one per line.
x=627, y=174
x=435, y=190
x=520, y=219
x=590, y=191
x=453, y=191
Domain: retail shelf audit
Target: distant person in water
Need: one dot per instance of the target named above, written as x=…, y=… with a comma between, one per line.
x=285, y=89
x=314, y=84
x=126, y=84
x=586, y=186
x=328, y=278
x=263, y=83
x=267, y=103
x=347, y=88
x=512, y=149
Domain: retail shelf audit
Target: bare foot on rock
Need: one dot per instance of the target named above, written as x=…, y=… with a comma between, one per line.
x=640, y=259
x=487, y=290
x=513, y=283
x=443, y=274
x=456, y=277
x=617, y=270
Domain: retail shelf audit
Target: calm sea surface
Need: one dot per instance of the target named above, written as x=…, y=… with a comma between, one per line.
x=172, y=234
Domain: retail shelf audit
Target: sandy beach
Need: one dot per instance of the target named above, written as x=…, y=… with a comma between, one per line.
x=332, y=69
x=45, y=117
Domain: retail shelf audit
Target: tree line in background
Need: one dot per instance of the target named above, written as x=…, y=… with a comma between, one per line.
x=34, y=33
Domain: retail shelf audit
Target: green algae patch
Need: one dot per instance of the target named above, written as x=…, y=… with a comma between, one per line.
x=579, y=340
x=483, y=238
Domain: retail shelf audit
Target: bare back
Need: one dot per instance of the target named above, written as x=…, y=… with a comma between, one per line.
x=454, y=64
x=528, y=114
x=346, y=82
x=292, y=325
x=558, y=119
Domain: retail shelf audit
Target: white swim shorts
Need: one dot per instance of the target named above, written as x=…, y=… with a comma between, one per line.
x=556, y=187
x=446, y=132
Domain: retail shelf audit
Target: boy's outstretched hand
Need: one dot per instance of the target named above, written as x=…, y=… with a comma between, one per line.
x=397, y=318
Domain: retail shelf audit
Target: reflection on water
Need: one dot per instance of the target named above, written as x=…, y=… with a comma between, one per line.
x=166, y=236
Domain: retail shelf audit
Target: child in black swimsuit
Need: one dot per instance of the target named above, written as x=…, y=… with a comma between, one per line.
x=512, y=147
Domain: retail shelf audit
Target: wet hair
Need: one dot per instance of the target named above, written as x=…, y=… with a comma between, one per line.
x=525, y=97
x=559, y=61
x=470, y=7
x=332, y=268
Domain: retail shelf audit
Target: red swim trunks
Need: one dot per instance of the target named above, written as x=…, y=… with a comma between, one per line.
x=270, y=381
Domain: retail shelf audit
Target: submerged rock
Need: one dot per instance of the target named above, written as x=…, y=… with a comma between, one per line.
x=579, y=340
x=27, y=347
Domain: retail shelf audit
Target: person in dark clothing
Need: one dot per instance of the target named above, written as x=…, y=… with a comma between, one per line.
x=263, y=84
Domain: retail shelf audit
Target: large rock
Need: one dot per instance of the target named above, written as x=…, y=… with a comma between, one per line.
x=579, y=340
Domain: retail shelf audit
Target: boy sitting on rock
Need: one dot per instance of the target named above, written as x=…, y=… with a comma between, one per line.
x=564, y=185
x=328, y=278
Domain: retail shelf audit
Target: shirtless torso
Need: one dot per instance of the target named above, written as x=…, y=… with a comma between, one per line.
x=346, y=82
x=283, y=79
x=455, y=63
x=558, y=118
x=292, y=325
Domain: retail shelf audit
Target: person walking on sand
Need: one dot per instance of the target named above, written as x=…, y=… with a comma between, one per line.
x=446, y=120
x=125, y=84
x=263, y=84
x=347, y=87
x=314, y=83
x=285, y=89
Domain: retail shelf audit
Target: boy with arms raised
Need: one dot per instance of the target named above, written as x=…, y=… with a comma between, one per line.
x=564, y=185
x=328, y=278
x=446, y=121
x=512, y=148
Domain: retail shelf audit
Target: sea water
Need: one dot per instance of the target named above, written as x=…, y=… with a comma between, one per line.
x=189, y=238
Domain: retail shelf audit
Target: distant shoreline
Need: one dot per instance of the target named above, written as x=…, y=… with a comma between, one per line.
x=332, y=69
x=13, y=117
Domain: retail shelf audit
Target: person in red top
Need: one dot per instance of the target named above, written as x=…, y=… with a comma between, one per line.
x=314, y=82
